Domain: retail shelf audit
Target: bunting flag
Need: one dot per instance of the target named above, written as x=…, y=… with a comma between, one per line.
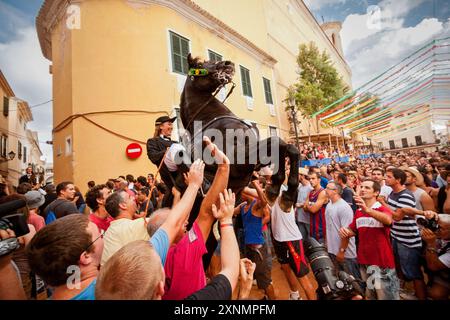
x=416, y=89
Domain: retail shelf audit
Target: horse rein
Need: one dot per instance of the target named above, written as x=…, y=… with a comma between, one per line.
x=210, y=99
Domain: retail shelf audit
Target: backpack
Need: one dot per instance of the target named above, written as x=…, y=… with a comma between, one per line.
x=51, y=216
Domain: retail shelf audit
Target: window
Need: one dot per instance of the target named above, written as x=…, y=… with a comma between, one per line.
x=5, y=106
x=391, y=144
x=267, y=91
x=180, y=50
x=3, y=146
x=24, y=154
x=214, y=57
x=19, y=150
x=68, y=145
x=246, y=85
x=418, y=140
x=405, y=143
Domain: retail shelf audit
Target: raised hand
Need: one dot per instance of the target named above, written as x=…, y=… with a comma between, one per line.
x=219, y=156
x=195, y=174
x=226, y=210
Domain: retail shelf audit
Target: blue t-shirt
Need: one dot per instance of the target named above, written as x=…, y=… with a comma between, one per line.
x=160, y=241
x=88, y=293
x=323, y=182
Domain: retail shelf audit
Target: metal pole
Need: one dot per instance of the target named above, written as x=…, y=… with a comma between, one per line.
x=294, y=118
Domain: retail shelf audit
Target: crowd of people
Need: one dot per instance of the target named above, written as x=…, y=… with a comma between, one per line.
x=319, y=151
x=385, y=221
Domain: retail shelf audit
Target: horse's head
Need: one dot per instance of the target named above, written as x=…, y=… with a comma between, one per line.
x=207, y=76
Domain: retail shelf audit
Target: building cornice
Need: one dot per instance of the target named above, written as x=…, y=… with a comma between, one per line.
x=24, y=109
x=52, y=11
x=5, y=85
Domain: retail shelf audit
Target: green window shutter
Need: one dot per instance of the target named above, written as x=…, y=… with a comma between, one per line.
x=5, y=106
x=214, y=57
x=180, y=49
x=246, y=85
x=267, y=91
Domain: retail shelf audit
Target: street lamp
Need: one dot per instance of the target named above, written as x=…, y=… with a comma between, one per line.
x=11, y=156
x=294, y=119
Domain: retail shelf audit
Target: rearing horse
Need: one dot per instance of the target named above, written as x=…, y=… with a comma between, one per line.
x=198, y=103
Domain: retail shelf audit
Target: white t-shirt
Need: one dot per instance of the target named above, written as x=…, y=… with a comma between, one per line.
x=120, y=233
x=385, y=191
x=303, y=192
x=283, y=224
x=338, y=215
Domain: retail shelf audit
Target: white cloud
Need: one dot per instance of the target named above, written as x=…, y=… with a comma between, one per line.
x=27, y=71
x=376, y=53
x=318, y=4
x=388, y=15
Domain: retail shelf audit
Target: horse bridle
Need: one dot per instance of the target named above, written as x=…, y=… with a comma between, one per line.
x=201, y=73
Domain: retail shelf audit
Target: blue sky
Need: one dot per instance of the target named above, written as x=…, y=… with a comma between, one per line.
x=403, y=26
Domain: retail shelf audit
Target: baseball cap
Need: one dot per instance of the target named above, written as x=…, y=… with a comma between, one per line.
x=163, y=119
x=35, y=199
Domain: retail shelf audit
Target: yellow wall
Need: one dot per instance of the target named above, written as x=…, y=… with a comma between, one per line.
x=120, y=60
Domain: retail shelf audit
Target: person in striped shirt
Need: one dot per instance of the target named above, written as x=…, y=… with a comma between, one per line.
x=406, y=240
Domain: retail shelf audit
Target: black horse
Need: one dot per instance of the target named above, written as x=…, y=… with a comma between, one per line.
x=198, y=103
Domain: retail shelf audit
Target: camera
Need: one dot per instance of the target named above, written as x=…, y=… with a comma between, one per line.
x=331, y=285
x=431, y=224
x=11, y=219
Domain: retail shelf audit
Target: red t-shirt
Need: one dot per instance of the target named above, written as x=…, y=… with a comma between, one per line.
x=184, y=266
x=374, y=239
x=102, y=224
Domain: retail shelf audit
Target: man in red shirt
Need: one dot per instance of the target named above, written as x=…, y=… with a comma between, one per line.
x=372, y=223
x=96, y=199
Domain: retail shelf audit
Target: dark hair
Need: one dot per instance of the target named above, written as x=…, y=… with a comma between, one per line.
x=92, y=196
x=57, y=246
x=142, y=180
x=398, y=174
x=130, y=178
x=113, y=202
x=91, y=184
x=375, y=185
x=122, y=177
x=378, y=169
x=110, y=184
x=162, y=188
x=62, y=186
x=24, y=187
x=342, y=177
x=50, y=188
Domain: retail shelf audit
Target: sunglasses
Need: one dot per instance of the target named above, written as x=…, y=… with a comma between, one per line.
x=102, y=233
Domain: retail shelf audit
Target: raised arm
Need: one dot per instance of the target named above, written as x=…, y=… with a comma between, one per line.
x=205, y=217
x=382, y=217
x=180, y=212
x=228, y=244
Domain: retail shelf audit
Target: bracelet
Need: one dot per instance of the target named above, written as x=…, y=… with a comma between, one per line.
x=226, y=225
x=433, y=250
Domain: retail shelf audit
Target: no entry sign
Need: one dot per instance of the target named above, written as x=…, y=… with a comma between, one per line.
x=134, y=151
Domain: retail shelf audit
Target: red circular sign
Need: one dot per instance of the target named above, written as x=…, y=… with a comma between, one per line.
x=134, y=151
